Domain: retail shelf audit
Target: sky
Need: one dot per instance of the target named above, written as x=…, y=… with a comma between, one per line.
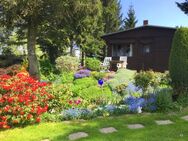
x=157, y=12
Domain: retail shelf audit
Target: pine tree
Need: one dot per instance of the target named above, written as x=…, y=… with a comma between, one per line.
x=130, y=21
x=183, y=6
x=112, y=16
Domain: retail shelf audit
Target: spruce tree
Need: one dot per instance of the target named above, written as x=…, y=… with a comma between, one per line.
x=112, y=16
x=130, y=21
x=183, y=6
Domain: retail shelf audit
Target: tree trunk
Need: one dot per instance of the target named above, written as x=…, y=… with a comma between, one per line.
x=31, y=43
x=83, y=59
x=71, y=48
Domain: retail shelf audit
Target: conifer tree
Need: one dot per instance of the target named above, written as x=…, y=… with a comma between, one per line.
x=130, y=21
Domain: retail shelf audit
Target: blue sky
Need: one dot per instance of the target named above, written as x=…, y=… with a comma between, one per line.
x=157, y=12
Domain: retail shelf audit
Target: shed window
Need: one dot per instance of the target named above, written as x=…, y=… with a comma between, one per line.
x=146, y=49
x=122, y=50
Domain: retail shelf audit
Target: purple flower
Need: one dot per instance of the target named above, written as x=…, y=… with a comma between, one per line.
x=82, y=74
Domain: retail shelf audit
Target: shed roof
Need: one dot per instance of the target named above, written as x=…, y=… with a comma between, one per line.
x=139, y=27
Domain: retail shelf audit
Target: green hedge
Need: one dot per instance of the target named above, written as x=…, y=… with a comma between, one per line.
x=178, y=63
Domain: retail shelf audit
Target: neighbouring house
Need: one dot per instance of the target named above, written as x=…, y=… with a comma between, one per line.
x=146, y=47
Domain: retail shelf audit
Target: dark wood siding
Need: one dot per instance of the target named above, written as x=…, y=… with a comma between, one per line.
x=158, y=39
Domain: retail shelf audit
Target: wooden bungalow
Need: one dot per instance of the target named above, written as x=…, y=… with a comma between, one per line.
x=146, y=47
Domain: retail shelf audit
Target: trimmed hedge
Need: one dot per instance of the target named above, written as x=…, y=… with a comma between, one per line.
x=178, y=63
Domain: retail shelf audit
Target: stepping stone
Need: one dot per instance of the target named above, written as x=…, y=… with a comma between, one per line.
x=107, y=130
x=135, y=126
x=78, y=135
x=45, y=140
x=185, y=118
x=163, y=122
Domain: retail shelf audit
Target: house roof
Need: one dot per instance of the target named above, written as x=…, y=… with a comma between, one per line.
x=139, y=27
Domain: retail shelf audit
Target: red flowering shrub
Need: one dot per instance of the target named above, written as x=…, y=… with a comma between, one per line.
x=22, y=100
x=11, y=70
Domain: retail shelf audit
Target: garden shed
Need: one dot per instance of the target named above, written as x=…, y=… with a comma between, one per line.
x=146, y=47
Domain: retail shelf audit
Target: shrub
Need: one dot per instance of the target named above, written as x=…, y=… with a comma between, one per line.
x=122, y=76
x=93, y=64
x=22, y=100
x=164, y=99
x=64, y=98
x=46, y=68
x=81, y=84
x=67, y=63
x=76, y=113
x=98, y=75
x=82, y=74
x=178, y=62
x=11, y=70
x=64, y=78
x=146, y=80
x=97, y=95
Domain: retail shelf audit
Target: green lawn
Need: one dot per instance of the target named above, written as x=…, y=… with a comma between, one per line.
x=152, y=132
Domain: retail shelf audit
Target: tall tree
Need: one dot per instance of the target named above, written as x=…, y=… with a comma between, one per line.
x=130, y=21
x=31, y=14
x=112, y=18
x=183, y=6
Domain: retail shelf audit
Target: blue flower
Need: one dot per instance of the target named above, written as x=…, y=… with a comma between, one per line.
x=133, y=103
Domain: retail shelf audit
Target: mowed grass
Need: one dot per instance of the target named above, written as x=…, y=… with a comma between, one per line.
x=178, y=131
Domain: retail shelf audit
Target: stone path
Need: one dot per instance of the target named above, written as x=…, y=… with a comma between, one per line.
x=45, y=140
x=135, y=126
x=78, y=135
x=185, y=118
x=163, y=122
x=107, y=130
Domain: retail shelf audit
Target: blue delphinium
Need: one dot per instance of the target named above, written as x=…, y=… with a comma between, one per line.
x=150, y=103
x=110, y=108
x=133, y=103
x=72, y=113
x=76, y=113
x=131, y=88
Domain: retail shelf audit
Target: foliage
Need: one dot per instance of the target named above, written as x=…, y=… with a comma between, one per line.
x=77, y=114
x=183, y=6
x=182, y=99
x=11, y=70
x=81, y=84
x=82, y=74
x=111, y=17
x=65, y=77
x=97, y=95
x=67, y=63
x=178, y=63
x=46, y=67
x=93, y=64
x=22, y=100
x=122, y=76
x=98, y=75
x=63, y=98
x=130, y=21
x=164, y=99
x=121, y=89
x=146, y=80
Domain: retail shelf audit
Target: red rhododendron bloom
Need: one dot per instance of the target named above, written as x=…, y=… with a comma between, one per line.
x=38, y=119
x=22, y=99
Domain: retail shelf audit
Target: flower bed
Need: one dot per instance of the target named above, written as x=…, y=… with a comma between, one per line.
x=22, y=100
